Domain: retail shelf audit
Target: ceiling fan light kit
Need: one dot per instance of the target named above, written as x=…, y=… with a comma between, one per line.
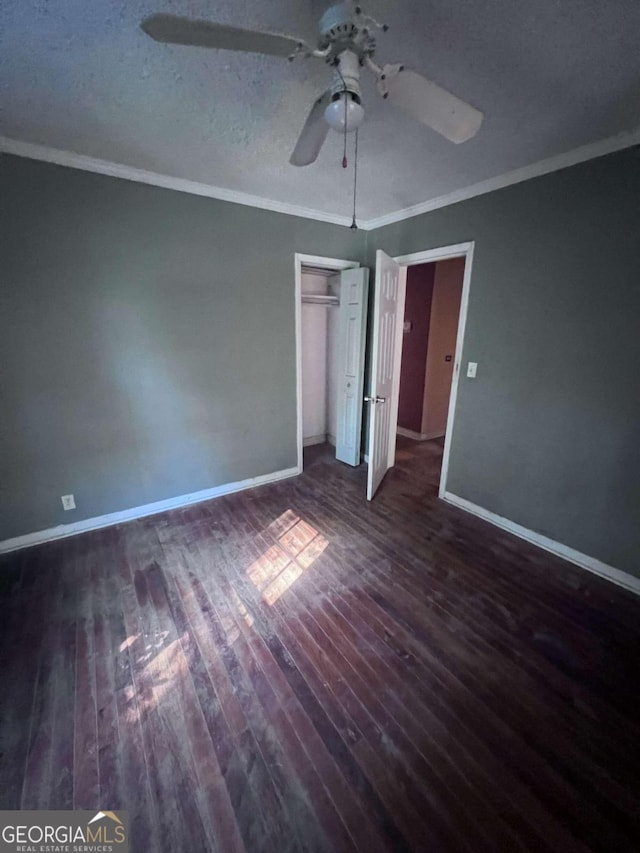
x=344, y=113
x=346, y=43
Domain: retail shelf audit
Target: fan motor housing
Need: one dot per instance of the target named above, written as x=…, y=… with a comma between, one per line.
x=341, y=30
x=336, y=21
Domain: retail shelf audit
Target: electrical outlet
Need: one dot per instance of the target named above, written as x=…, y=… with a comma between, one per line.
x=68, y=502
x=472, y=369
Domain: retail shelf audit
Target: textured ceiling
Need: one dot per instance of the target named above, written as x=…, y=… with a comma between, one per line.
x=550, y=75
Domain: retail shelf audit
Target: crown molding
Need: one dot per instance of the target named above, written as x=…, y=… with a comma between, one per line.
x=142, y=176
x=118, y=170
x=534, y=170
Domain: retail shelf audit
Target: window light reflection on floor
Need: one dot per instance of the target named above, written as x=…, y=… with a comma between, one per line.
x=299, y=544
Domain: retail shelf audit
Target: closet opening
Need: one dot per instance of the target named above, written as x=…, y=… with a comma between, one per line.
x=320, y=298
x=331, y=310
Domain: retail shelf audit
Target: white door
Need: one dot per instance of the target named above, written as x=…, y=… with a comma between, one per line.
x=383, y=357
x=354, y=287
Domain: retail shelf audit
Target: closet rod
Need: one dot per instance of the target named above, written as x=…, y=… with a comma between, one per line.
x=320, y=299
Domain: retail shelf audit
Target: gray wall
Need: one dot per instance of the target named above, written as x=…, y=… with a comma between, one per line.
x=147, y=342
x=548, y=435
x=147, y=346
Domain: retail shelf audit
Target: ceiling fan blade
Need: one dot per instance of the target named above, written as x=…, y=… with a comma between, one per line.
x=171, y=29
x=429, y=103
x=313, y=134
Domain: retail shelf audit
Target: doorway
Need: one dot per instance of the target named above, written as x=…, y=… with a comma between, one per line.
x=436, y=293
x=387, y=344
x=320, y=298
x=331, y=307
x=433, y=297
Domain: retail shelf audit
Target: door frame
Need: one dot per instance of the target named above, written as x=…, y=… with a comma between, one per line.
x=444, y=253
x=301, y=259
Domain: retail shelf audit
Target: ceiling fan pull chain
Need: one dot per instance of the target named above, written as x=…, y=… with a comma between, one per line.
x=354, y=224
x=344, y=83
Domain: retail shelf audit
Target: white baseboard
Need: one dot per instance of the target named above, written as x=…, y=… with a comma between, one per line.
x=319, y=439
x=314, y=439
x=419, y=436
x=617, y=576
x=64, y=530
x=409, y=433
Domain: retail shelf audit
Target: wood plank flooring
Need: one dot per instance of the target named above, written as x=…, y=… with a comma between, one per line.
x=292, y=669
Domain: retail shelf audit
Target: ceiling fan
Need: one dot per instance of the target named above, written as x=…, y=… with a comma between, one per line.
x=346, y=43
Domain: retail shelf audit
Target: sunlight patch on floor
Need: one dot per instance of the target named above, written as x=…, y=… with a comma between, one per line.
x=299, y=545
x=128, y=642
x=163, y=666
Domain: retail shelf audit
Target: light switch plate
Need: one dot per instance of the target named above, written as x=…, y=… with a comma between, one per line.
x=68, y=502
x=472, y=369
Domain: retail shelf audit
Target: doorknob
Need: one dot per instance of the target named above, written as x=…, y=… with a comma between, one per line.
x=375, y=399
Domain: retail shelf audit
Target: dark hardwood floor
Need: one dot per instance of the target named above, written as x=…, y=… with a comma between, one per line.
x=292, y=669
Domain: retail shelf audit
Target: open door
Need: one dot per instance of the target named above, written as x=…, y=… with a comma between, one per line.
x=384, y=355
x=354, y=287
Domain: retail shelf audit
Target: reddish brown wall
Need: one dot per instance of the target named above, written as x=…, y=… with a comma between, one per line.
x=417, y=311
x=445, y=312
